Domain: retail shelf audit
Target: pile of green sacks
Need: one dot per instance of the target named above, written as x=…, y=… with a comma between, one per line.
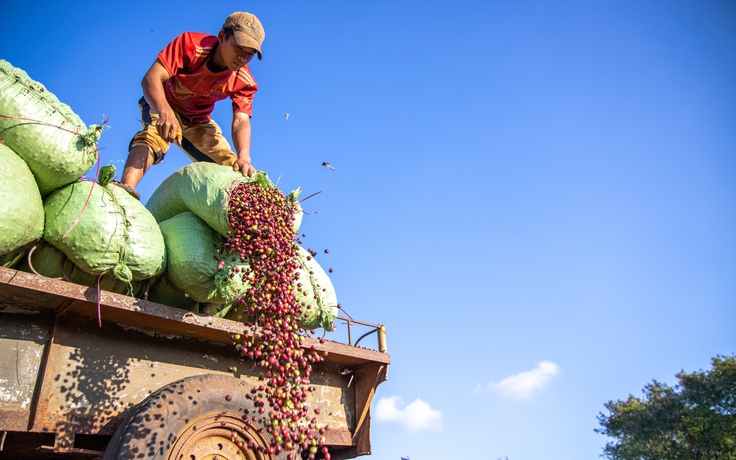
x=191, y=207
x=94, y=233
x=59, y=225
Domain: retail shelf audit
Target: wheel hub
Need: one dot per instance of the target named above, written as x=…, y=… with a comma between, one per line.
x=219, y=437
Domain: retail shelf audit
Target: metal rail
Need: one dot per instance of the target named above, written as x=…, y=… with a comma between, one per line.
x=377, y=329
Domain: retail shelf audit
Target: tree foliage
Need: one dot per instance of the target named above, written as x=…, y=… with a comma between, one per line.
x=694, y=420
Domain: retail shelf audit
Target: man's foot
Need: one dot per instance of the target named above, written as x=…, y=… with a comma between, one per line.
x=133, y=192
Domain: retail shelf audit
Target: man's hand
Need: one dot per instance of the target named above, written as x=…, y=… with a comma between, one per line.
x=241, y=140
x=168, y=126
x=243, y=165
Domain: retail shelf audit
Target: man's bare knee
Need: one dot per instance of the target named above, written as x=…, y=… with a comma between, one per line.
x=140, y=156
x=140, y=159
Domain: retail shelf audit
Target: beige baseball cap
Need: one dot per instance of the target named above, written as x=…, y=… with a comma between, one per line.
x=247, y=30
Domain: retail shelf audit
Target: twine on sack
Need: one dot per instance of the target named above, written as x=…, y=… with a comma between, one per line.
x=90, y=137
x=40, y=122
x=29, y=260
x=99, y=299
x=120, y=270
x=97, y=131
x=310, y=196
x=85, y=201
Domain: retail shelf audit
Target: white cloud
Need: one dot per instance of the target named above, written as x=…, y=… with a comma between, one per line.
x=524, y=385
x=415, y=416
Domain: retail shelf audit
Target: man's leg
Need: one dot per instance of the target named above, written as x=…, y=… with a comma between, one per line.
x=205, y=142
x=139, y=161
x=146, y=148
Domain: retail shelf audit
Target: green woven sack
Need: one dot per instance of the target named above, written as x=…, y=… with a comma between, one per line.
x=43, y=131
x=317, y=294
x=204, y=189
x=105, y=230
x=46, y=260
x=21, y=208
x=193, y=264
x=11, y=258
x=164, y=292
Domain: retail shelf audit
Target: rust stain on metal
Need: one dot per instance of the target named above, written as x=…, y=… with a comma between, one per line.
x=338, y=437
x=13, y=419
x=368, y=377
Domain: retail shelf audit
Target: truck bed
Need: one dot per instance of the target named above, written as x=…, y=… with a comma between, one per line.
x=66, y=383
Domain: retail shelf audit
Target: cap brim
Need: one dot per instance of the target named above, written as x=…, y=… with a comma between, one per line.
x=243, y=39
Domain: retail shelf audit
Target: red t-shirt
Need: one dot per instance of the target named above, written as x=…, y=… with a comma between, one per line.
x=193, y=89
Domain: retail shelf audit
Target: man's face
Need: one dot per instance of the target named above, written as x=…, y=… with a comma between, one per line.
x=234, y=55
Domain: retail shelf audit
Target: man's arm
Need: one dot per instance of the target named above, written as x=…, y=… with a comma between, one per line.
x=241, y=139
x=153, y=90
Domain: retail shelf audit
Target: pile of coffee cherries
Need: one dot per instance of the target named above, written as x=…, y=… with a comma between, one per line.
x=261, y=220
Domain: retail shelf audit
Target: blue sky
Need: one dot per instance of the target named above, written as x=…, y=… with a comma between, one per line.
x=536, y=198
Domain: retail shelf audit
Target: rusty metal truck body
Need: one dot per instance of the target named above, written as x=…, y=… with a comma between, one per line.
x=67, y=384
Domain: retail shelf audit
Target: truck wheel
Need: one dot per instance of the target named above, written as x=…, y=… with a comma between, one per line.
x=196, y=418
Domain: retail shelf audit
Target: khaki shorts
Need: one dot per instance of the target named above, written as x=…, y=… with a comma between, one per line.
x=203, y=142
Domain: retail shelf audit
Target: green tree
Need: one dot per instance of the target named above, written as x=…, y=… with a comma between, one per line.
x=694, y=420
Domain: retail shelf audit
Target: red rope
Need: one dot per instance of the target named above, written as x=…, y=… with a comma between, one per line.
x=88, y=196
x=310, y=196
x=99, y=300
x=94, y=181
x=43, y=123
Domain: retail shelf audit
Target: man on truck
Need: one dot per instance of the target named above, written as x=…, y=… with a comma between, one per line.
x=180, y=89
